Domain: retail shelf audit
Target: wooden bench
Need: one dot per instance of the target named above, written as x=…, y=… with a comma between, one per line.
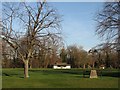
x=86, y=73
x=99, y=73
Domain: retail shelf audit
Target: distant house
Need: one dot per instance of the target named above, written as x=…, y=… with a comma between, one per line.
x=102, y=66
x=62, y=66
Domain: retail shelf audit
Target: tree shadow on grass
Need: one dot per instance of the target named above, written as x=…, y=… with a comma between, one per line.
x=58, y=71
x=46, y=71
x=76, y=72
x=11, y=75
x=72, y=72
x=5, y=74
x=21, y=77
x=111, y=74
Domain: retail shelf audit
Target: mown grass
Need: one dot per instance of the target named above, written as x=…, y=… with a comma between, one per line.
x=49, y=78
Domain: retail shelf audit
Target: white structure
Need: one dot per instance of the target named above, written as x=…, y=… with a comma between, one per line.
x=102, y=67
x=62, y=66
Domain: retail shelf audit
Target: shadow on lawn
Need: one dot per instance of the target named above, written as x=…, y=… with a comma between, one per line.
x=11, y=75
x=79, y=72
x=5, y=74
x=74, y=72
x=111, y=74
x=21, y=77
x=99, y=73
x=60, y=71
x=47, y=71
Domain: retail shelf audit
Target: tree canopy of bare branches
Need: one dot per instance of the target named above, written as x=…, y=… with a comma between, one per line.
x=108, y=26
x=108, y=22
x=26, y=24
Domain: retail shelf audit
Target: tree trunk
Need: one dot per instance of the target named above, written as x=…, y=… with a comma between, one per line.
x=26, y=69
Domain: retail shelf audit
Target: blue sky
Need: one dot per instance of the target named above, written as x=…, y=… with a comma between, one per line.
x=78, y=25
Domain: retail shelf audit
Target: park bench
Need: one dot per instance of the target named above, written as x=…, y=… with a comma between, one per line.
x=99, y=73
x=86, y=73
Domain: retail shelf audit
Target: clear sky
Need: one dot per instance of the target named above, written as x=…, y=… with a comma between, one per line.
x=78, y=25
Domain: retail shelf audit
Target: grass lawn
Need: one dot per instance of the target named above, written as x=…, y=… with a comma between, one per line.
x=49, y=78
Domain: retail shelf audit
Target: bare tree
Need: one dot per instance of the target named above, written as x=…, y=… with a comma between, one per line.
x=109, y=21
x=108, y=26
x=35, y=20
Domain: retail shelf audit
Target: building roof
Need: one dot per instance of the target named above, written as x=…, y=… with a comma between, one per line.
x=62, y=64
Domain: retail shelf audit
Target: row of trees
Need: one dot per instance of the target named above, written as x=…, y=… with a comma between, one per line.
x=76, y=56
x=43, y=56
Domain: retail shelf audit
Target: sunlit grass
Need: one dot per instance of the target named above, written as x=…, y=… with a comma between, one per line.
x=49, y=78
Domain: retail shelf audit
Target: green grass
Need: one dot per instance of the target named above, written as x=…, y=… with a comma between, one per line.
x=49, y=78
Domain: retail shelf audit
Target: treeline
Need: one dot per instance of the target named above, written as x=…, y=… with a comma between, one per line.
x=77, y=57
x=45, y=54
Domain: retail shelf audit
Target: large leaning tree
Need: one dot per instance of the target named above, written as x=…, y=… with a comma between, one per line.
x=25, y=24
x=108, y=23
